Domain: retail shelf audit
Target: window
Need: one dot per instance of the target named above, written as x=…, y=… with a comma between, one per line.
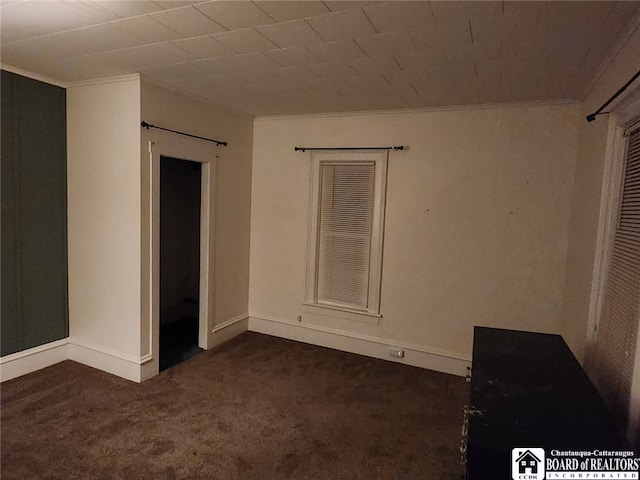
x=614, y=350
x=346, y=230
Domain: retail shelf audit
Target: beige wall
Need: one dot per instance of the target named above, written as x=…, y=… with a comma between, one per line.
x=476, y=220
x=585, y=207
x=103, y=190
x=232, y=189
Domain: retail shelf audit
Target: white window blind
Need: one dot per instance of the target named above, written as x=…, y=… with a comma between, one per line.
x=615, y=345
x=346, y=218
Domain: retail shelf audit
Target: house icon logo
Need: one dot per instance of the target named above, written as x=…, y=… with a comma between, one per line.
x=527, y=464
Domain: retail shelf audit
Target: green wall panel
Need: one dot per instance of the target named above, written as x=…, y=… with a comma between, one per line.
x=34, y=243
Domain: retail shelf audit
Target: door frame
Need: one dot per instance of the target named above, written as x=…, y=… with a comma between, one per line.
x=162, y=144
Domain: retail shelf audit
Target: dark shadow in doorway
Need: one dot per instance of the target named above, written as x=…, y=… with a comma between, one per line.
x=178, y=342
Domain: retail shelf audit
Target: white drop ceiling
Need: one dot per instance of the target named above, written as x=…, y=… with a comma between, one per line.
x=292, y=57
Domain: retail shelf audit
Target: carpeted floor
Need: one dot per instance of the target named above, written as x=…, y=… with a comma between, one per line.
x=259, y=407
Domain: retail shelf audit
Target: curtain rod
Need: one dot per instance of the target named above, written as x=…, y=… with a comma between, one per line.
x=217, y=142
x=591, y=117
x=304, y=149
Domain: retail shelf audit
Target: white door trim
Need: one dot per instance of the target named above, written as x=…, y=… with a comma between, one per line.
x=168, y=145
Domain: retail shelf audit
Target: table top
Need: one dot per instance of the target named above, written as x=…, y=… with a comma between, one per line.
x=528, y=390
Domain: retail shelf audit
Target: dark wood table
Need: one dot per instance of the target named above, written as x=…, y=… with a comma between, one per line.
x=528, y=390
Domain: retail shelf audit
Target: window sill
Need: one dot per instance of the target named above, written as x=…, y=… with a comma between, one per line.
x=344, y=313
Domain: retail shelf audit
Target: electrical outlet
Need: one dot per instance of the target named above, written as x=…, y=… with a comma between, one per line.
x=396, y=352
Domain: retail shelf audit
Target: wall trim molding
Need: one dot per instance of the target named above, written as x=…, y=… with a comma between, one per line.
x=229, y=329
x=404, y=111
x=109, y=351
x=69, y=348
x=32, y=359
x=231, y=321
x=353, y=342
x=103, y=81
x=105, y=359
x=60, y=83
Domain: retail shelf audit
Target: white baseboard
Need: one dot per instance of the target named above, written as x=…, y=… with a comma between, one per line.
x=27, y=361
x=415, y=355
x=106, y=359
x=229, y=329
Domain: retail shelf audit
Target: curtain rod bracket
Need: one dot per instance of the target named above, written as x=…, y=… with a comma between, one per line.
x=146, y=125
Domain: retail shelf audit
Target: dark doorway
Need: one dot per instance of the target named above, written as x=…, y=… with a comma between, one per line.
x=179, y=260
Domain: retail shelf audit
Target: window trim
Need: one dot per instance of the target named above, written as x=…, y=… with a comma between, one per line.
x=380, y=160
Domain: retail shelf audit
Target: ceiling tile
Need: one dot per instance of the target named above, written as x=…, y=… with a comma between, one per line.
x=283, y=11
x=129, y=8
x=522, y=6
x=423, y=59
x=173, y=72
x=427, y=38
x=269, y=88
x=477, y=51
x=460, y=72
x=371, y=82
x=235, y=14
x=386, y=43
x=253, y=61
x=409, y=94
x=408, y=76
x=146, y=29
x=487, y=29
x=294, y=74
x=167, y=4
x=292, y=56
x=490, y=70
x=380, y=64
x=197, y=85
x=457, y=91
x=328, y=84
x=447, y=12
x=188, y=21
x=342, y=25
x=83, y=41
x=399, y=16
x=332, y=69
x=291, y=34
x=30, y=19
x=244, y=41
x=252, y=78
x=337, y=51
x=455, y=33
x=150, y=55
x=215, y=65
x=203, y=47
x=337, y=5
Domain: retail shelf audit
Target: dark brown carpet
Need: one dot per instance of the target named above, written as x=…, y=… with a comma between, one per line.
x=257, y=408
